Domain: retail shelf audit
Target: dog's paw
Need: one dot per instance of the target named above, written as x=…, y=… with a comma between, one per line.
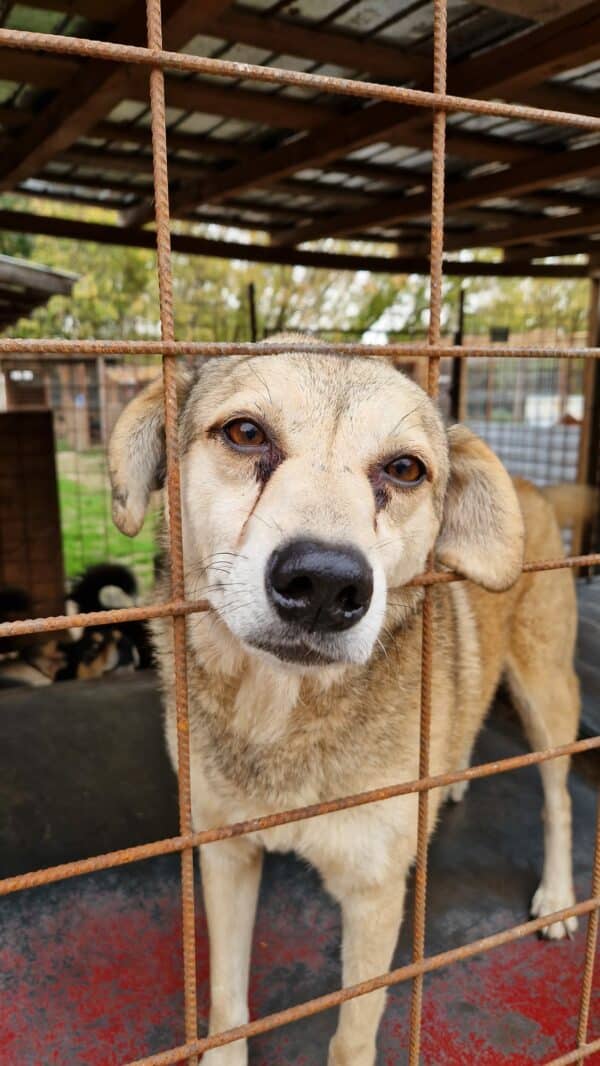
x=458, y=791
x=548, y=900
x=229, y=1055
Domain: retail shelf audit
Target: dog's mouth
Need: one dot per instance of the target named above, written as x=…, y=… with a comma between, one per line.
x=298, y=652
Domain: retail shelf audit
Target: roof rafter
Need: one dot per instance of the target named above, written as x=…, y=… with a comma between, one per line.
x=95, y=89
x=22, y=222
x=514, y=181
x=526, y=61
x=547, y=228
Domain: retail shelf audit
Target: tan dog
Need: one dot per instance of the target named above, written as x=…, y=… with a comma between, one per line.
x=313, y=489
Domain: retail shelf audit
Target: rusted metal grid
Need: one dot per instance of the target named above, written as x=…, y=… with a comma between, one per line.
x=440, y=103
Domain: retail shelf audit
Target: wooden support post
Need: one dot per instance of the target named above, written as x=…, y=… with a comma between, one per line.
x=589, y=443
x=252, y=311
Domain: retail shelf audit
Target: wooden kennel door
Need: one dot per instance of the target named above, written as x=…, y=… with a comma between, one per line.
x=30, y=535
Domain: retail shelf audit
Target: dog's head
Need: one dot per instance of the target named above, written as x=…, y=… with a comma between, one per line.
x=311, y=486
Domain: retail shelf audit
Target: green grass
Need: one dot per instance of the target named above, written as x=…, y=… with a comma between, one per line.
x=89, y=535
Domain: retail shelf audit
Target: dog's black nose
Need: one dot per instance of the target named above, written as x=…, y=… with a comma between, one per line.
x=319, y=586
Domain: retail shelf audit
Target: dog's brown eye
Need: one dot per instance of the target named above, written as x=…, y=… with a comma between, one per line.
x=406, y=470
x=243, y=433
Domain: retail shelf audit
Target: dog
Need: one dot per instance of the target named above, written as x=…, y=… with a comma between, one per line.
x=31, y=659
x=314, y=488
x=104, y=587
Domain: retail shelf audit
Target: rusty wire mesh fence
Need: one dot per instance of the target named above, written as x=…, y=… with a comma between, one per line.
x=439, y=103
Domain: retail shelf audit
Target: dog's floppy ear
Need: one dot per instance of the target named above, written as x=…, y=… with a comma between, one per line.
x=482, y=531
x=137, y=458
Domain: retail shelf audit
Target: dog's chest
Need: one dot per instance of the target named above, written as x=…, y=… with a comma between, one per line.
x=286, y=746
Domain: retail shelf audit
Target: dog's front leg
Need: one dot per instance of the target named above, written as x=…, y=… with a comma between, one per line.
x=230, y=880
x=371, y=921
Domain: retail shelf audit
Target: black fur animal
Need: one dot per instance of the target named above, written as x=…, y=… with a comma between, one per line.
x=105, y=586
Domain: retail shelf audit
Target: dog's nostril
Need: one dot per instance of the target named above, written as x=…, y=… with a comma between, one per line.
x=299, y=588
x=349, y=599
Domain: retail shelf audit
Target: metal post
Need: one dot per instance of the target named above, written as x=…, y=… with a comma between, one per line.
x=252, y=309
x=458, y=378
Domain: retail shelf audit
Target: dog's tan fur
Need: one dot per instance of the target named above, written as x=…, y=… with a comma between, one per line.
x=267, y=734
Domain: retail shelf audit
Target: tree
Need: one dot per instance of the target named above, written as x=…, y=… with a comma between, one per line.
x=116, y=295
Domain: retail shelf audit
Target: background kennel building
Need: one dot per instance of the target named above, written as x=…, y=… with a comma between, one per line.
x=340, y=139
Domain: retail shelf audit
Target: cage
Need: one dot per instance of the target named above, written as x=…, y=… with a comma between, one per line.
x=546, y=67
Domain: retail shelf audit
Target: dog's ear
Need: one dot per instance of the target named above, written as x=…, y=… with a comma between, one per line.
x=137, y=456
x=482, y=531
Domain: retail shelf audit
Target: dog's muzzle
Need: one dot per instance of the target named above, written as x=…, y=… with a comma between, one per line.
x=319, y=587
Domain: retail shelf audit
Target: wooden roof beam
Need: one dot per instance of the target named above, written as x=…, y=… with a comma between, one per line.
x=249, y=105
x=24, y=222
x=526, y=63
x=543, y=229
x=96, y=88
x=132, y=163
x=460, y=193
x=34, y=68
x=474, y=147
x=324, y=45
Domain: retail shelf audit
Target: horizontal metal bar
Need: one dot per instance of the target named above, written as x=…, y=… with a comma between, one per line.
x=575, y=1056
x=177, y=607
x=100, y=618
x=445, y=577
x=122, y=53
x=169, y=845
x=27, y=346
x=394, y=977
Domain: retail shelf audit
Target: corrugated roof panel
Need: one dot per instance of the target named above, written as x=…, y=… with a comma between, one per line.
x=369, y=151
x=203, y=45
x=367, y=15
x=127, y=111
x=230, y=130
x=305, y=10
x=172, y=115
x=198, y=122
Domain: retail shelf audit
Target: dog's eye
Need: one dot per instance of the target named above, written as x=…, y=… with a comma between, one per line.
x=244, y=434
x=406, y=470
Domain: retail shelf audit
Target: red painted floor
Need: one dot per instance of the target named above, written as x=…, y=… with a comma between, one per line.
x=92, y=975
x=90, y=969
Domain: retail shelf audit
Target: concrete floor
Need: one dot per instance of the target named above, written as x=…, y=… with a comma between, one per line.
x=90, y=970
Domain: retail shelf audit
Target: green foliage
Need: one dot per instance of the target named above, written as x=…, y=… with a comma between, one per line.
x=89, y=536
x=117, y=296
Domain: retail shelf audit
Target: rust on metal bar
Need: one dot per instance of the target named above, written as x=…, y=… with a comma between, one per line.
x=438, y=176
x=218, y=349
x=163, y=59
x=579, y=1055
x=51, y=874
x=156, y=60
x=173, y=486
x=591, y=945
x=101, y=618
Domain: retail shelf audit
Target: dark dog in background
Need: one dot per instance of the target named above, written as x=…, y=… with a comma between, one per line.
x=90, y=652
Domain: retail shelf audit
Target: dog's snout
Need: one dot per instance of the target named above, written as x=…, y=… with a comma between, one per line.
x=319, y=586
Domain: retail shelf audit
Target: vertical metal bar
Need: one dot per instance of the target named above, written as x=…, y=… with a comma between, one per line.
x=165, y=283
x=433, y=374
x=591, y=945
